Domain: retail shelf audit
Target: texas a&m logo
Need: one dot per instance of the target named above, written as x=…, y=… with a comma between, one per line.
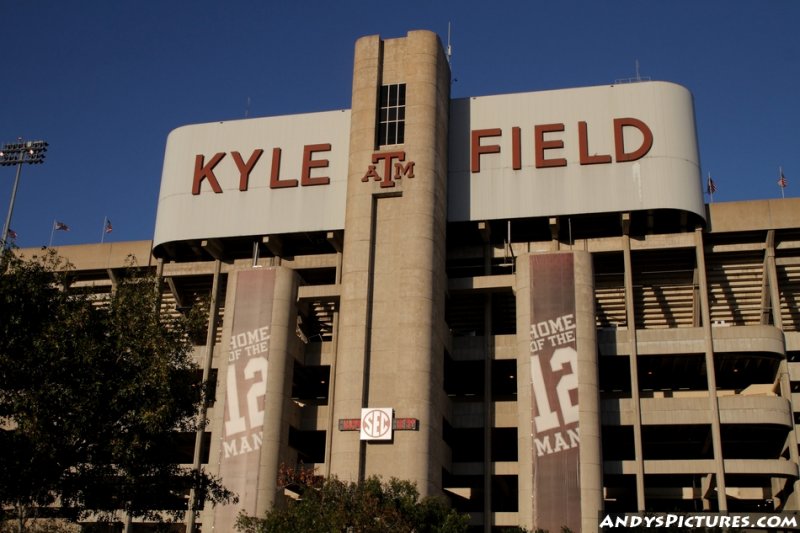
x=393, y=168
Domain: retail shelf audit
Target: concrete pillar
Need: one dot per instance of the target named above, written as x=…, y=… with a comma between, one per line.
x=391, y=346
x=282, y=343
x=591, y=456
x=522, y=290
x=588, y=487
x=630, y=310
x=771, y=274
x=250, y=415
x=716, y=432
x=207, y=365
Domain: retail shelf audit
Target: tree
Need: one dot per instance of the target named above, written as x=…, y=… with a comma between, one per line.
x=93, y=393
x=371, y=506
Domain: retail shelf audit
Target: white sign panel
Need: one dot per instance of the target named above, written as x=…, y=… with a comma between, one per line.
x=628, y=147
x=254, y=177
x=602, y=149
x=376, y=423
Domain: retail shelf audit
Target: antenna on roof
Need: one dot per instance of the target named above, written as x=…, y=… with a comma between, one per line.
x=449, y=50
x=636, y=78
x=247, y=108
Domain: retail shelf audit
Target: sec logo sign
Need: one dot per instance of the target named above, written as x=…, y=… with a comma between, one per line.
x=376, y=423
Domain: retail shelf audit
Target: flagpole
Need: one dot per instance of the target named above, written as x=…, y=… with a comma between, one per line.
x=103, y=231
x=52, y=231
x=780, y=182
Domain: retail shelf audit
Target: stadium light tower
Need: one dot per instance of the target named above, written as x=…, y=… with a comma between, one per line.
x=17, y=153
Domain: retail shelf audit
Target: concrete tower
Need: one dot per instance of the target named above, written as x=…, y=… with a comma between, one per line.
x=391, y=331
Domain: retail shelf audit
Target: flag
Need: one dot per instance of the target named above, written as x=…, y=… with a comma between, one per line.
x=711, y=188
x=108, y=228
x=12, y=234
x=782, y=181
x=60, y=226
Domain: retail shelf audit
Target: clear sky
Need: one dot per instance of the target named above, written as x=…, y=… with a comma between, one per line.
x=105, y=81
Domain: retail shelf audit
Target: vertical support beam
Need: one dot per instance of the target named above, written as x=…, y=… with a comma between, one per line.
x=331, y=422
x=716, y=436
x=275, y=246
x=591, y=456
x=203, y=414
x=283, y=344
x=630, y=311
x=488, y=419
x=766, y=298
x=335, y=240
x=771, y=274
x=112, y=276
x=557, y=486
x=488, y=345
x=696, y=298
x=554, y=229
x=525, y=444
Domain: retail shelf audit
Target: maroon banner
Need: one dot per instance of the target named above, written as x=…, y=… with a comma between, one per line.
x=554, y=388
x=246, y=388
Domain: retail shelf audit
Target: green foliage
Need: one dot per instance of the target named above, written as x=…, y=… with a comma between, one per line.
x=372, y=506
x=92, y=392
x=44, y=526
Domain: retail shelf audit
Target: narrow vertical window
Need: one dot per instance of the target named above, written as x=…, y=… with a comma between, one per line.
x=392, y=114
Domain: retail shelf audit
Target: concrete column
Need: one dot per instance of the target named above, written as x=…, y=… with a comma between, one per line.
x=393, y=278
x=331, y=425
x=282, y=344
x=705, y=310
x=488, y=404
x=522, y=290
x=793, y=501
x=591, y=456
x=630, y=311
x=261, y=316
x=207, y=365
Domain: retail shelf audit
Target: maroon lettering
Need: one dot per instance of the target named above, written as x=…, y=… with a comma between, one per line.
x=544, y=140
x=583, y=148
x=245, y=168
x=406, y=170
x=275, y=181
x=477, y=149
x=206, y=171
x=309, y=163
x=540, y=145
x=516, y=147
x=387, y=158
x=619, y=139
x=371, y=174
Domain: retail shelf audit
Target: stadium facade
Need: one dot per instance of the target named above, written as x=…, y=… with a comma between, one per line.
x=518, y=301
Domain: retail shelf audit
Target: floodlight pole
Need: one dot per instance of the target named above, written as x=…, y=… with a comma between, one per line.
x=31, y=152
x=11, y=205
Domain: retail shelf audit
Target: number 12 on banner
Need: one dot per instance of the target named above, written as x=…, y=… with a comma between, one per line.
x=547, y=418
x=236, y=422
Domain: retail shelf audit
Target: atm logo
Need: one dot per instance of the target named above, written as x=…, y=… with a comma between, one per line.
x=394, y=168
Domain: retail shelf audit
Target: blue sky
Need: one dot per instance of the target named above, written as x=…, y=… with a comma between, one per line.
x=104, y=82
